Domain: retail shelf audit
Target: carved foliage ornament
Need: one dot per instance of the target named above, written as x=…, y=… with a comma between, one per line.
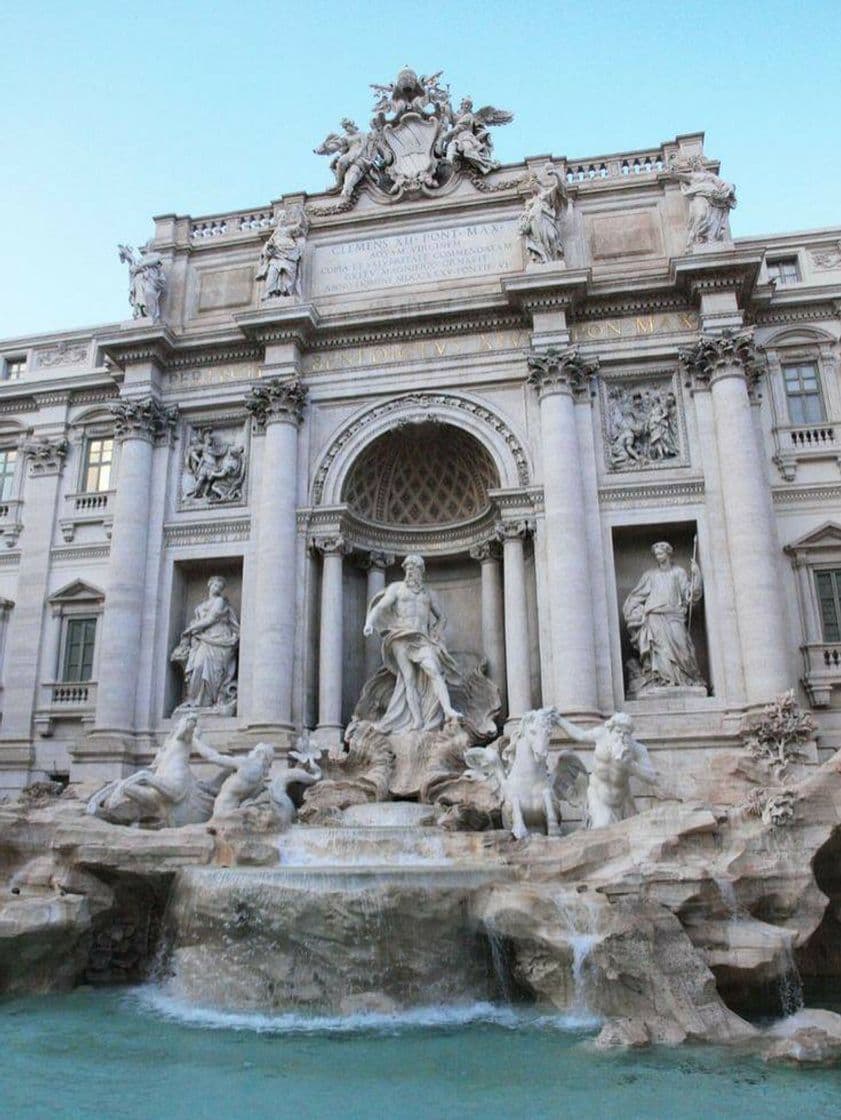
x=715, y=356
x=416, y=140
x=45, y=456
x=143, y=418
x=560, y=370
x=276, y=398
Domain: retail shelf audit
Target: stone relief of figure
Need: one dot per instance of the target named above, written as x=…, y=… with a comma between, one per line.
x=710, y=201
x=468, y=140
x=354, y=154
x=215, y=470
x=642, y=426
x=655, y=613
x=617, y=757
x=280, y=260
x=540, y=221
x=410, y=621
x=167, y=794
x=147, y=281
x=207, y=653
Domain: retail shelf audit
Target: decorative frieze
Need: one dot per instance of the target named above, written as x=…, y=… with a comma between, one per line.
x=276, y=399
x=64, y=353
x=826, y=258
x=556, y=370
x=655, y=494
x=143, y=418
x=208, y=532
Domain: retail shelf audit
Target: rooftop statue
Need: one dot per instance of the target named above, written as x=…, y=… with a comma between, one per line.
x=280, y=260
x=416, y=142
x=710, y=201
x=147, y=281
x=540, y=221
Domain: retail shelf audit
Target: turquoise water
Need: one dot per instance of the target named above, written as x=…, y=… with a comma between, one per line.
x=97, y=1055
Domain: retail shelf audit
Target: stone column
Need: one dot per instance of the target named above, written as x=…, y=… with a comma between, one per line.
x=276, y=405
x=493, y=615
x=377, y=564
x=330, y=639
x=512, y=534
x=138, y=424
x=558, y=375
x=44, y=455
x=727, y=365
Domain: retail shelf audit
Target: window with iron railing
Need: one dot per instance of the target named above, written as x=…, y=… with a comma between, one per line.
x=783, y=271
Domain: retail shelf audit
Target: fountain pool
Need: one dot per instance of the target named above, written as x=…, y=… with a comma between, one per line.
x=131, y=1056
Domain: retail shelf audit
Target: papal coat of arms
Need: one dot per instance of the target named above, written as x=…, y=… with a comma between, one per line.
x=417, y=142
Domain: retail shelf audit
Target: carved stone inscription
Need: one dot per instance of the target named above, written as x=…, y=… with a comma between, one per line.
x=412, y=258
x=369, y=357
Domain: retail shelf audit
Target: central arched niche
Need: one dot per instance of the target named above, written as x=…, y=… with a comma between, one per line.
x=425, y=475
x=421, y=474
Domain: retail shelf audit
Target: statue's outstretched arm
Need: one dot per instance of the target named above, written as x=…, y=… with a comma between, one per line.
x=226, y=761
x=577, y=734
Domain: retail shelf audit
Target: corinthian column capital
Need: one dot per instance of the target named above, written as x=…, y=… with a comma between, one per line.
x=143, y=418
x=716, y=356
x=557, y=370
x=276, y=399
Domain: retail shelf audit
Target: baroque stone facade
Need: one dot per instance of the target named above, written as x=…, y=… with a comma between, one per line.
x=528, y=374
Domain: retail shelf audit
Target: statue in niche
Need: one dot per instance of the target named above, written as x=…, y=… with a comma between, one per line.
x=168, y=794
x=710, y=201
x=656, y=613
x=280, y=260
x=354, y=155
x=540, y=221
x=147, y=282
x=207, y=653
x=216, y=469
x=642, y=426
x=411, y=623
x=605, y=794
x=468, y=140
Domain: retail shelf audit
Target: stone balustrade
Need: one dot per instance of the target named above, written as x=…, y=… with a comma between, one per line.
x=822, y=671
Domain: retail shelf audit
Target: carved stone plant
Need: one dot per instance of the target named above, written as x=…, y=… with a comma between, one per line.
x=777, y=737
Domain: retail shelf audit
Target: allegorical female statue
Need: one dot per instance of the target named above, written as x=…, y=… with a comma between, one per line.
x=280, y=260
x=656, y=616
x=208, y=652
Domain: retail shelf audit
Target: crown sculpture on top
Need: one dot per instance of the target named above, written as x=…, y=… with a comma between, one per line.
x=417, y=141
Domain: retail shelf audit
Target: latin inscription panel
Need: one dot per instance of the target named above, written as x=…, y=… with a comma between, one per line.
x=404, y=260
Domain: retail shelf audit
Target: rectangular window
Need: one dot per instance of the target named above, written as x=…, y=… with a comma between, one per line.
x=805, y=405
x=78, y=649
x=784, y=271
x=8, y=464
x=13, y=367
x=98, y=456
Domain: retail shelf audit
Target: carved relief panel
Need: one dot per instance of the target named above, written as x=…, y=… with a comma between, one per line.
x=643, y=423
x=214, y=465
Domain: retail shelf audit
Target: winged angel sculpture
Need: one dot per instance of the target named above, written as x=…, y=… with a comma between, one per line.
x=416, y=141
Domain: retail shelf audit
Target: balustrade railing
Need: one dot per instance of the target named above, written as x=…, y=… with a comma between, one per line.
x=226, y=225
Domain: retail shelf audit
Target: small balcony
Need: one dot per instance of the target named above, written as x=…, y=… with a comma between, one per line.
x=88, y=508
x=823, y=671
x=797, y=443
x=10, y=521
x=64, y=700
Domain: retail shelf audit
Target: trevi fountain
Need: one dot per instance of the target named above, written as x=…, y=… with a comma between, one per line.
x=426, y=719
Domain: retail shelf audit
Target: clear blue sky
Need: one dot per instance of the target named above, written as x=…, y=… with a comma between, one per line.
x=114, y=111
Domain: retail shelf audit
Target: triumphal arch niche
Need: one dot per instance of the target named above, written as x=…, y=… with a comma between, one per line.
x=444, y=477
x=606, y=427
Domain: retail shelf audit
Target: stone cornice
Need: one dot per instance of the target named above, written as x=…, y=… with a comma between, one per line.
x=721, y=270
x=560, y=371
x=135, y=345
x=290, y=321
x=546, y=287
x=654, y=493
x=276, y=400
